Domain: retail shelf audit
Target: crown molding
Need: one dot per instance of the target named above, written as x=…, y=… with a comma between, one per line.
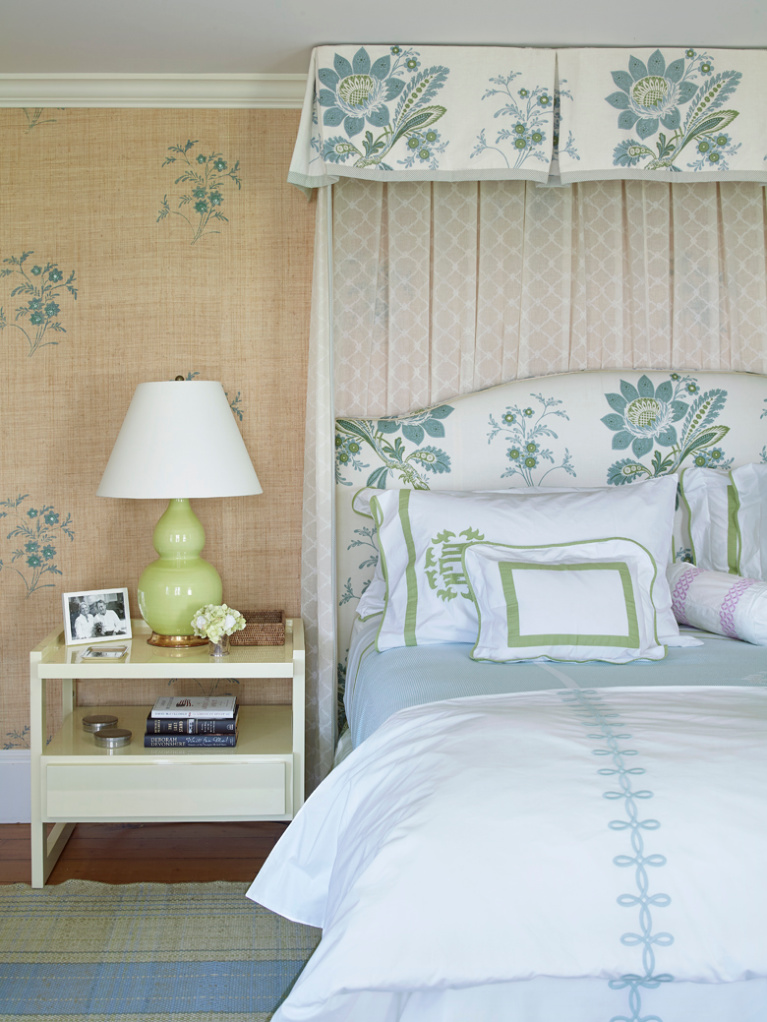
x=176, y=91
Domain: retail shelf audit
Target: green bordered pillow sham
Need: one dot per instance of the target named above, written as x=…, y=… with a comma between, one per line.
x=728, y=518
x=564, y=602
x=422, y=535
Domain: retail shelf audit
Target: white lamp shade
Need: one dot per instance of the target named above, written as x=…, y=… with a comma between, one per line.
x=179, y=439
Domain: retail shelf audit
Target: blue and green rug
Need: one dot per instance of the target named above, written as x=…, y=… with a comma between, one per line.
x=86, y=952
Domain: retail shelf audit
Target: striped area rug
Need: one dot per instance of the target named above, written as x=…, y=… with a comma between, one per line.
x=84, y=952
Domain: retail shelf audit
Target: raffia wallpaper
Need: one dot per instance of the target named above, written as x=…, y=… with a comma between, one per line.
x=139, y=245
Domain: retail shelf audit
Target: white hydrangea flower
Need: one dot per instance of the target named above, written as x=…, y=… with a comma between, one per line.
x=214, y=621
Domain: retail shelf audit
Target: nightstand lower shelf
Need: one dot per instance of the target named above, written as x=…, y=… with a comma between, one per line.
x=252, y=780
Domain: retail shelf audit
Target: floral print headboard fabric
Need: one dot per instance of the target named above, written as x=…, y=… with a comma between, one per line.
x=599, y=428
x=471, y=113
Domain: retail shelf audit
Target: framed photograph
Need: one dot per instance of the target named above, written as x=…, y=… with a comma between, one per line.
x=101, y=614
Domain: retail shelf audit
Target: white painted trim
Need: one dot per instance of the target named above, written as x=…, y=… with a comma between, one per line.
x=15, y=805
x=146, y=90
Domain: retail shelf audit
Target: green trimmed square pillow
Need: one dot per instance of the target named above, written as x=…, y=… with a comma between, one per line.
x=572, y=601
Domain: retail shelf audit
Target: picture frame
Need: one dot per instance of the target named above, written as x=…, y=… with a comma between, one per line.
x=96, y=614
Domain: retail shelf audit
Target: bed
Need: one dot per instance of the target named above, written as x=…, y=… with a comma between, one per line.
x=551, y=795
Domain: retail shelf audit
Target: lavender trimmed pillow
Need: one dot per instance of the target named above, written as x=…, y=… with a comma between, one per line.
x=719, y=602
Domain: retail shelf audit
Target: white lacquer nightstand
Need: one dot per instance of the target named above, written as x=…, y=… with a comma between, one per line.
x=74, y=780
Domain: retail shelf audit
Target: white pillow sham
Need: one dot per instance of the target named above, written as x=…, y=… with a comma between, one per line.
x=728, y=518
x=721, y=603
x=422, y=535
x=571, y=601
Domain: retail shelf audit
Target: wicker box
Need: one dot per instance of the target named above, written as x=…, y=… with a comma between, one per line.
x=262, y=628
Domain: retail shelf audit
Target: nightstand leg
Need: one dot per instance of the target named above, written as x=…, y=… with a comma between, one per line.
x=36, y=739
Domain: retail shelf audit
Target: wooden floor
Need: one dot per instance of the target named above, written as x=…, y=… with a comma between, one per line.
x=128, y=853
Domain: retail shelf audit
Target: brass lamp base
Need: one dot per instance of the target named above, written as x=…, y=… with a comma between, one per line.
x=176, y=641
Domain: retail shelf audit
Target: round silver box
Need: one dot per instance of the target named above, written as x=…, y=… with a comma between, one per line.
x=98, y=721
x=112, y=737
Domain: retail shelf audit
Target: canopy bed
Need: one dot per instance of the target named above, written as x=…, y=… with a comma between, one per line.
x=550, y=594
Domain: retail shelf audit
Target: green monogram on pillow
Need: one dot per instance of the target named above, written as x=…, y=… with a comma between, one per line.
x=444, y=557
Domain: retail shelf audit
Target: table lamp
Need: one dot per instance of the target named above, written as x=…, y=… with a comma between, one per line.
x=179, y=440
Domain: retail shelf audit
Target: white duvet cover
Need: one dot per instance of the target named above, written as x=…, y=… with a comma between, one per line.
x=584, y=854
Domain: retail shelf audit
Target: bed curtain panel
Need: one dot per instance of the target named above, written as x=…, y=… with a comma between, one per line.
x=425, y=290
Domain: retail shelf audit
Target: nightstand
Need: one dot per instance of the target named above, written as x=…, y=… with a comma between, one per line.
x=74, y=780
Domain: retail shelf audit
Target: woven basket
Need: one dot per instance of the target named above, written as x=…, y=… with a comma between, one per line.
x=262, y=628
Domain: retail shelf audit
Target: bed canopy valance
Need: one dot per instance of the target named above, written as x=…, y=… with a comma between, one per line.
x=551, y=116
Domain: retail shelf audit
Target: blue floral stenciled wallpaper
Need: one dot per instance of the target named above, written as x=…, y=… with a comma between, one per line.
x=98, y=292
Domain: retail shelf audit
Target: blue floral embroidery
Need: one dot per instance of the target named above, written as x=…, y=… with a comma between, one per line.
x=524, y=430
x=675, y=415
x=359, y=93
x=653, y=94
x=589, y=707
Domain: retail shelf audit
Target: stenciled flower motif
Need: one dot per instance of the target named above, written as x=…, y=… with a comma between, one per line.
x=204, y=174
x=651, y=93
x=41, y=288
x=36, y=532
x=357, y=91
x=644, y=416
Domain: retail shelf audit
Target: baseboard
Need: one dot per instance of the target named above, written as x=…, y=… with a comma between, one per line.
x=178, y=91
x=15, y=804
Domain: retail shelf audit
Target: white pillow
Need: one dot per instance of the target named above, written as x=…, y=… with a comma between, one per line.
x=721, y=603
x=728, y=518
x=573, y=601
x=422, y=534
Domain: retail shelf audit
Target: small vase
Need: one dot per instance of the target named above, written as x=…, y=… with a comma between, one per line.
x=219, y=649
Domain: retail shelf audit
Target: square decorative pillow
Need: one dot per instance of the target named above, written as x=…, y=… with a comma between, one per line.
x=573, y=601
x=728, y=518
x=422, y=535
x=718, y=602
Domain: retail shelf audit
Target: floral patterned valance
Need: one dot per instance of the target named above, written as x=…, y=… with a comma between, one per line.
x=454, y=113
x=417, y=113
x=690, y=114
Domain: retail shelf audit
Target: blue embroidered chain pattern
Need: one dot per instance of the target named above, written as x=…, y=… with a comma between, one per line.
x=586, y=703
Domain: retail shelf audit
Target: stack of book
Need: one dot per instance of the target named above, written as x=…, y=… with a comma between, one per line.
x=192, y=722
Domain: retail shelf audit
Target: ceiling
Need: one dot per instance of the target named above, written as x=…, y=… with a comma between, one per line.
x=276, y=36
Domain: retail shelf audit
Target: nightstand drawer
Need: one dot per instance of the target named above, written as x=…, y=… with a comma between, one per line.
x=165, y=790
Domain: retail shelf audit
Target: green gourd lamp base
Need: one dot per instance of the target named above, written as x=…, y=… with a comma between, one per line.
x=179, y=582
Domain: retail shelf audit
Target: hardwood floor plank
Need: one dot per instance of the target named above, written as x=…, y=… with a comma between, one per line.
x=126, y=853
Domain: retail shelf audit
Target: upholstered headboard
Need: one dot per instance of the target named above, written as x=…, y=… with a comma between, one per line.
x=604, y=428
